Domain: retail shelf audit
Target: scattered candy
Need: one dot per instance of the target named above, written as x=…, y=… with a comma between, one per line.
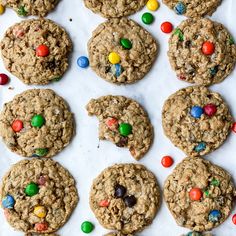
x=200, y=147
x=210, y=109
x=179, y=33
x=87, y=227
x=152, y=5
x=206, y=192
x=195, y=194
x=196, y=111
x=2, y=9
x=104, y=203
x=40, y=211
x=114, y=58
x=130, y=201
x=41, y=226
x=147, y=18
x=41, y=152
x=125, y=43
x=234, y=219
x=112, y=123
x=42, y=50
x=167, y=161
x=231, y=40
x=116, y=70
x=125, y=129
x=208, y=48
x=180, y=8
x=234, y=127
x=31, y=189
x=214, y=216
x=8, y=202
x=3, y=79
x=17, y=125
x=120, y=191
x=215, y=182
x=21, y=11
x=166, y=27
x=42, y=180
x=83, y=62
x=214, y=70
x=37, y=121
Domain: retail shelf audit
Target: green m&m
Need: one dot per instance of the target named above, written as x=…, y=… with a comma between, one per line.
x=37, y=121
x=125, y=129
x=147, y=18
x=31, y=189
x=126, y=43
x=87, y=227
x=41, y=152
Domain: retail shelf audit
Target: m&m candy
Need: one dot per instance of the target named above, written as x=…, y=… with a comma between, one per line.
x=234, y=219
x=83, y=62
x=196, y=111
x=41, y=226
x=41, y=152
x=116, y=70
x=40, y=211
x=195, y=194
x=112, y=123
x=180, y=8
x=167, y=161
x=214, y=216
x=114, y=58
x=31, y=189
x=37, y=121
x=147, y=18
x=2, y=9
x=200, y=147
x=126, y=43
x=166, y=27
x=87, y=227
x=3, y=79
x=152, y=5
x=234, y=127
x=125, y=129
x=8, y=202
x=42, y=50
x=208, y=48
x=104, y=203
x=210, y=109
x=17, y=125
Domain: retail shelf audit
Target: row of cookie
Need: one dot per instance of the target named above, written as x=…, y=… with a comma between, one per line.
x=39, y=123
x=39, y=195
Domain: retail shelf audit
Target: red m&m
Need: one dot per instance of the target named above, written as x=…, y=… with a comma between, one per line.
x=42, y=50
x=195, y=194
x=208, y=48
x=167, y=161
x=166, y=27
x=17, y=125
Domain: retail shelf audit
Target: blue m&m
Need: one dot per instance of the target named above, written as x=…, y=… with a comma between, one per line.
x=180, y=8
x=83, y=62
x=196, y=111
x=116, y=70
x=194, y=234
x=214, y=216
x=8, y=202
x=200, y=147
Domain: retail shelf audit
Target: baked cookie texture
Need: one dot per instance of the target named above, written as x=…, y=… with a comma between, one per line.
x=115, y=8
x=134, y=63
x=27, y=7
x=118, y=234
x=193, y=8
x=18, y=48
x=197, y=234
x=218, y=192
x=187, y=58
x=132, y=196
x=112, y=112
x=56, y=193
x=45, y=141
x=196, y=136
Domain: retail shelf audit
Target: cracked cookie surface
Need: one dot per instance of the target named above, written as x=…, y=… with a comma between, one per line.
x=134, y=63
x=45, y=141
x=57, y=195
x=196, y=135
x=131, y=194
x=115, y=8
x=117, y=234
x=27, y=7
x=193, y=8
x=187, y=57
x=19, y=51
x=217, y=189
x=115, y=111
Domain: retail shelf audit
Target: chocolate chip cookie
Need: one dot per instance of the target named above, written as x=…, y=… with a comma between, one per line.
x=37, y=123
x=124, y=122
x=115, y=8
x=121, y=51
x=202, y=51
x=125, y=197
x=199, y=194
x=193, y=8
x=36, y=51
x=29, y=7
x=38, y=196
x=196, y=120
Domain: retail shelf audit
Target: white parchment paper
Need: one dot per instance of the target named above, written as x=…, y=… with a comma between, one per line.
x=82, y=157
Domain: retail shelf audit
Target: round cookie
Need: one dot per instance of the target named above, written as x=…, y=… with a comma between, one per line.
x=217, y=194
x=193, y=8
x=125, y=197
x=196, y=120
x=109, y=9
x=54, y=192
x=36, y=122
x=136, y=56
x=187, y=51
x=27, y=7
x=36, y=51
x=116, y=114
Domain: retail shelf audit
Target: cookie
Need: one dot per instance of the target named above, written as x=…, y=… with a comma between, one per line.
x=196, y=120
x=124, y=122
x=38, y=196
x=109, y=9
x=27, y=7
x=193, y=8
x=121, y=51
x=117, y=234
x=30, y=234
x=36, y=51
x=125, y=197
x=202, y=51
x=199, y=194
x=197, y=234
x=36, y=122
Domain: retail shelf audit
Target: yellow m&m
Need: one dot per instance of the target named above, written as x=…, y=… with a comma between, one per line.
x=114, y=58
x=152, y=5
x=40, y=211
x=2, y=9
